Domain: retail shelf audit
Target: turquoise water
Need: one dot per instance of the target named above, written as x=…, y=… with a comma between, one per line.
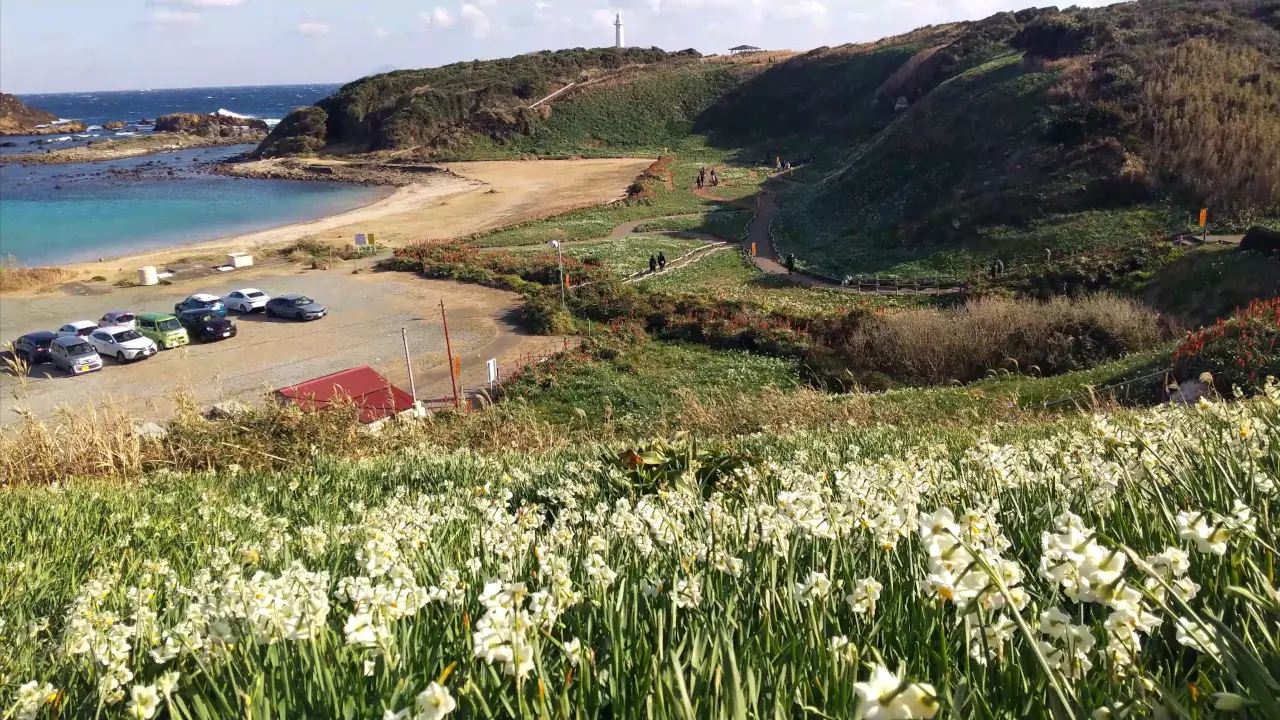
x=68, y=213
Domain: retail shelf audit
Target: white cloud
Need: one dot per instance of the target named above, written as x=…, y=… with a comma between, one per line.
x=476, y=18
x=540, y=6
x=811, y=10
x=311, y=28
x=379, y=31
x=438, y=17
x=486, y=3
x=173, y=18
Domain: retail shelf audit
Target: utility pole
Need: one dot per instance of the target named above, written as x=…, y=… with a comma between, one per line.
x=453, y=377
x=560, y=259
x=413, y=390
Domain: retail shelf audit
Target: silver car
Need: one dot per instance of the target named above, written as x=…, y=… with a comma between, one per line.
x=123, y=318
x=74, y=355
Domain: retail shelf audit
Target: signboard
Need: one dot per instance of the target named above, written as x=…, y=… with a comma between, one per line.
x=1204, y=215
x=361, y=239
x=491, y=365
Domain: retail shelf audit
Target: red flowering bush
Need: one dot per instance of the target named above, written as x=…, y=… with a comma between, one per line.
x=1238, y=351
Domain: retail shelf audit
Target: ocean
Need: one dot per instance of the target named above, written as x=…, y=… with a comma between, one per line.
x=52, y=214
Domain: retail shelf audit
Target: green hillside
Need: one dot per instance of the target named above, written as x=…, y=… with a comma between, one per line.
x=1028, y=138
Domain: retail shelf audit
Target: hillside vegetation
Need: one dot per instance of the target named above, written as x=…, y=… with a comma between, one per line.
x=1040, y=136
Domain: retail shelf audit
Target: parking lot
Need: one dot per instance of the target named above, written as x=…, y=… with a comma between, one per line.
x=366, y=314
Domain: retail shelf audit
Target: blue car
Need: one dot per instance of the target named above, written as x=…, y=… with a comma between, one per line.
x=202, y=301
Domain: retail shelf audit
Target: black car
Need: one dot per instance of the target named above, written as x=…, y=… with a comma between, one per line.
x=33, y=348
x=295, y=306
x=206, y=325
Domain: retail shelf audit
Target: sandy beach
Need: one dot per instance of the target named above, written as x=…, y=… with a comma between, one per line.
x=470, y=197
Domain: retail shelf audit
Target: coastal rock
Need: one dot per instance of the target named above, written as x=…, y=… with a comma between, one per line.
x=210, y=125
x=115, y=125
x=8, y=144
x=18, y=118
x=300, y=132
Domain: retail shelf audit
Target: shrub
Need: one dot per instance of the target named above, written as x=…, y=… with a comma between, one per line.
x=934, y=347
x=1238, y=352
x=1261, y=240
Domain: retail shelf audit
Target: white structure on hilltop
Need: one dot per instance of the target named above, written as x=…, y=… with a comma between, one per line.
x=617, y=26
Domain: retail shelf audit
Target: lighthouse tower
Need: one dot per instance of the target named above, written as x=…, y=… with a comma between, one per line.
x=617, y=26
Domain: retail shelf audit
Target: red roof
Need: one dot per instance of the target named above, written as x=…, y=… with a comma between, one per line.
x=376, y=397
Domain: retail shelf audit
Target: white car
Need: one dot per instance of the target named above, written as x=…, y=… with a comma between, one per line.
x=77, y=328
x=122, y=343
x=246, y=300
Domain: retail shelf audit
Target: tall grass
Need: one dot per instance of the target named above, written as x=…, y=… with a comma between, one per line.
x=15, y=277
x=1212, y=117
x=937, y=346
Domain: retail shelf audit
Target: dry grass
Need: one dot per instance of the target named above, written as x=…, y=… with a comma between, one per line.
x=931, y=346
x=13, y=277
x=1211, y=114
x=731, y=414
x=903, y=76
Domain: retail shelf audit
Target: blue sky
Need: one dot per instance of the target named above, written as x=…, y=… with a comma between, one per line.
x=80, y=45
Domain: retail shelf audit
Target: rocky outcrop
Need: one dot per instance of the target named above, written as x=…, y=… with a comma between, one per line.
x=18, y=118
x=211, y=125
x=115, y=125
x=300, y=132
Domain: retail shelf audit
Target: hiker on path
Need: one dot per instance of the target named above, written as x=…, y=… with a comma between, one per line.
x=778, y=160
x=702, y=176
x=662, y=261
x=715, y=179
x=653, y=264
x=791, y=262
x=997, y=268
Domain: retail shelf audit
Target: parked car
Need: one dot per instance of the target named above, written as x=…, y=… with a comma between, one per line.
x=122, y=318
x=202, y=301
x=163, y=329
x=293, y=305
x=206, y=326
x=122, y=343
x=74, y=355
x=33, y=347
x=77, y=328
x=246, y=300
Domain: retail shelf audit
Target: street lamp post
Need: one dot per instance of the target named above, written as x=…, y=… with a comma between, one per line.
x=559, y=257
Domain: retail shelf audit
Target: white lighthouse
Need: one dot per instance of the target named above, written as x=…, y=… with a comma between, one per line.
x=617, y=26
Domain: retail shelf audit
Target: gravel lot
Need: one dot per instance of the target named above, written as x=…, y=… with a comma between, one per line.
x=366, y=313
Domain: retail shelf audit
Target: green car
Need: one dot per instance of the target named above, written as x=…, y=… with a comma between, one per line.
x=163, y=328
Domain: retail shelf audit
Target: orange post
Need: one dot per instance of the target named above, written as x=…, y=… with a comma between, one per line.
x=453, y=376
x=753, y=249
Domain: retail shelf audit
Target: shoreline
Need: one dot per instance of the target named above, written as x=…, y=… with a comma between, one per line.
x=396, y=201
x=452, y=200
x=127, y=148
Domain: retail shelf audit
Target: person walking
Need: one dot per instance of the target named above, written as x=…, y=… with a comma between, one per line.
x=662, y=261
x=791, y=262
x=702, y=176
x=653, y=264
x=715, y=179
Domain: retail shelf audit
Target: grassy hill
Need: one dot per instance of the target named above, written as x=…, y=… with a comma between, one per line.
x=1037, y=138
x=1074, y=131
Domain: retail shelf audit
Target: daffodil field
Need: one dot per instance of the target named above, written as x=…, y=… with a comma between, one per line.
x=1115, y=567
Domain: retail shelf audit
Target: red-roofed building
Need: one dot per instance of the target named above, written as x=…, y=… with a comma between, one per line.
x=376, y=397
